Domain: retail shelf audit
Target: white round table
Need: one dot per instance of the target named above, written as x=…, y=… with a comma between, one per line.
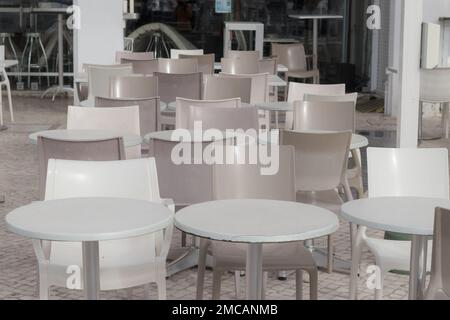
x=256, y=222
x=88, y=220
x=129, y=140
x=408, y=215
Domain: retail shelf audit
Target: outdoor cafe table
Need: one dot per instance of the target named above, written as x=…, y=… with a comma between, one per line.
x=407, y=215
x=89, y=220
x=256, y=222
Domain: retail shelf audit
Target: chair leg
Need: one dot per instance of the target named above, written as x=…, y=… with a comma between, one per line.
x=201, y=267
x=356, y=257
x=379, y=291
x=29, y=62
x=217, y=279
x=264, y=285
x=1, y=106
x=237, y=283
x=330, y=262
x=45, y=60
x=161, y=284
x=8, y=91
x=313, y=284
x=43, y=286
x=299, y=284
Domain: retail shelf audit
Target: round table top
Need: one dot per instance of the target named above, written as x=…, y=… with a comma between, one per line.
x=88, y=219
x=256, y=221
x=409, y=215
x=129, y=140
x=358, y=142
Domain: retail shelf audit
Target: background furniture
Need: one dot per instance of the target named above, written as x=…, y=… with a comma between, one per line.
x=239, y=26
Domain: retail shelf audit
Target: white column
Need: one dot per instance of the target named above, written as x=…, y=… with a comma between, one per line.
x=409, y=77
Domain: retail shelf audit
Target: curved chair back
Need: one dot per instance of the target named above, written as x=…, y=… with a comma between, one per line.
x=435, y=85
x=237, y=54
x=224, y=118
x=350, y=97
x=134, y=86
x=259, y=88
x=129, y=55
x=245, y=181
x=177, y=65
x=89, y=150
x=291, y=55
x=320, y=158
x=182, y=114
x=99, y=75
x=205, y=62
x=220, y=87
x=148, y=66
x=326, y=116
x=174, y=85
x=244, y=65
x=268, y=66
x=149, y=110
x=408, y=172
x=175, y=53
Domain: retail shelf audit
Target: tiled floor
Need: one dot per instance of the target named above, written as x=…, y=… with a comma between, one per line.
x=18, y=182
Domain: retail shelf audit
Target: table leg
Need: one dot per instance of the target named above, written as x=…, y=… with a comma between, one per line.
x=315, y=42
x=254, y=271
x=418, y=266
x=91, y=270
x=276, y=120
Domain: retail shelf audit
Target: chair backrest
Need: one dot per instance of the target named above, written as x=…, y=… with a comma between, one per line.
x=148, y=66
x=320, y=158
x=174, y=85
x=224, y=118
x=408, y=172
x=219, y=88
x=244, y=65
x=268, y=65
x=133, y=86
x=435, y=85
x=205, y=62
x=259, y=88
x=91, y=150
x=292, y=55
x=177, y=65
x=149, y=110
x=99, y=75
x=327, y=116
x=175, y=53
x=129, y=55
x=236, y=54
x=350, y=97
x=245, y=181
x=182, y=113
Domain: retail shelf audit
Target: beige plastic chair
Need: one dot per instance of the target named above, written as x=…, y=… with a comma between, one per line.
x=98, y=80
x=219, y=88
x=134, y=86
x=268, y=65
x=237, y=181
x=237, y=54
x=350, y=97
x=224, y=118
x=182, y=113
x=147, y=67
x=205, y=62
x=175, y=53
x=293, y=57
x=129, y=55
x=439, y=286
x=149, y=110
x=122, y=119
x=177, y=65
x=321, y=164
x=243, y=65
x=297, y=91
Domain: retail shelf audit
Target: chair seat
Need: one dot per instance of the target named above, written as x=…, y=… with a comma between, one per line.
x=289, y=256
x=396, y=255
x=303, y=73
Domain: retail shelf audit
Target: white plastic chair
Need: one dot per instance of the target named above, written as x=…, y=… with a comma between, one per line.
x=394, y=173
x=123, y=263
x=4, y=81
x=174, y=53
x=121, y=119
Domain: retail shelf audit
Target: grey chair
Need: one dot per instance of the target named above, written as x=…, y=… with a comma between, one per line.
x=205, y=62
x=133, y=86
x=129, y=55
x=439, y=285
x=149, y=66
x=219, y=88
x=237, y=54
x=244, y=65
x=92, y=150
x=244, y=181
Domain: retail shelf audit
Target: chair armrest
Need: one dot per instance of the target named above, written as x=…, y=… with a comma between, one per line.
x=169, y=204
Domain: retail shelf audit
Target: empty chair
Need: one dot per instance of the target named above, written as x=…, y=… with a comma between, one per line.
x=439, y=286
x=350, y=97
x=133, y=86
x=321, y=164
x=244, y=118
x=175, y=53
x=205, y=62
x=267, y=66
x=293, y=57
x=397, y=173
x=244, y=65
x=99, y=150
x=182, y=113
x=124, y=263
x=4, y=81
x=98, y=80
x=124, y=120
x=147, y=66
x=177, y=65
x=259, y=88
x=244, y=181
x=297, y=91
x=235, y=54
x=219, y=88
x=129, y=55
